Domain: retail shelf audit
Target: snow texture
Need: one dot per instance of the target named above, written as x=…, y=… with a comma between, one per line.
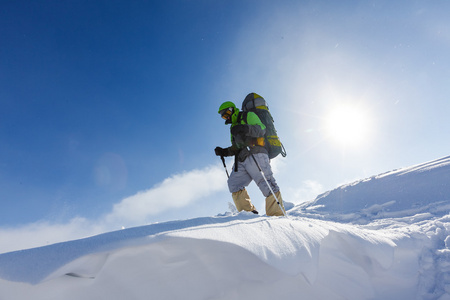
x=385, y=237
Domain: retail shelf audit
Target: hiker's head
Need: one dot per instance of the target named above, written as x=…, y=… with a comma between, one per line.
x=226, y=111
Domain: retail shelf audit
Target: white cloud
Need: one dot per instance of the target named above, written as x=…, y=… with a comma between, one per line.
x=44, y=233
x=308, y=190
x=278, y=164
x=177, y=191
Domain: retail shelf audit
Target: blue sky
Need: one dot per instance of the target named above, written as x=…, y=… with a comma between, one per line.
x=106, y=103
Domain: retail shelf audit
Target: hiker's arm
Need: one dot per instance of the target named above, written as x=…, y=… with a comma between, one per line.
x=255, y=127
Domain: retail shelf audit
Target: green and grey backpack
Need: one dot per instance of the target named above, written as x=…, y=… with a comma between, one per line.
x=255, y=103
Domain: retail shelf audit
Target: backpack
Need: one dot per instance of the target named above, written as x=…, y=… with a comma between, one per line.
x=255, y=103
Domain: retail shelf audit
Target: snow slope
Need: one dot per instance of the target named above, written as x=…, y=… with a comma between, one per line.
x=385, y=237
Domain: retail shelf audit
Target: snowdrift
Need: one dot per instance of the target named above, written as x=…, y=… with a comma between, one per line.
x=424, y=188
x=385, y=237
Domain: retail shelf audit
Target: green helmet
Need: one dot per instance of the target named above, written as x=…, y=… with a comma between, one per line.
x=226, y=105
x=229, y=112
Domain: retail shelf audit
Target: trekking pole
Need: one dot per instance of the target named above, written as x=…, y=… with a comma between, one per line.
x=224, y=165
x=267, y=182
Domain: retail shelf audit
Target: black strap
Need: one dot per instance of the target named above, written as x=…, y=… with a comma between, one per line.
x=283, y=151
x=242, y=116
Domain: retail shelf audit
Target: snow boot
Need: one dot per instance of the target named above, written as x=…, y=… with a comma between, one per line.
x=242, y=201
x=272, y=207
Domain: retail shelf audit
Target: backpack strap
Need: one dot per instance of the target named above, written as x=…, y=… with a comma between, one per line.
x=242, y=116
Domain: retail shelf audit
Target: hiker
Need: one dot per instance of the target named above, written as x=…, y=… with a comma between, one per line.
x=247, y=140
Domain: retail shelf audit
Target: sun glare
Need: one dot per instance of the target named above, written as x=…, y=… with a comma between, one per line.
x=347, y=125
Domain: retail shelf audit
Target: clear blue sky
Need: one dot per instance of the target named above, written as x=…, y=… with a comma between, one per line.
x=102, y=100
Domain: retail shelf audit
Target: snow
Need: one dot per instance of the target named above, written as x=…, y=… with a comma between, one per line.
x=384, y=237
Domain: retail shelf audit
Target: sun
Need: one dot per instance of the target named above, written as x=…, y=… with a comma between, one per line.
x=347, y=125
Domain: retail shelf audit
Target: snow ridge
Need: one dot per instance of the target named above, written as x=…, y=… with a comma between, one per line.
x=385, y=237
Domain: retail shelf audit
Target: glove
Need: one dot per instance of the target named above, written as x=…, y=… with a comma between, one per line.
x=240, y=130
x=221, y=151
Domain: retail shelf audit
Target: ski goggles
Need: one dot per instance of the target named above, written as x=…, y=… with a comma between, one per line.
x=226, y=113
